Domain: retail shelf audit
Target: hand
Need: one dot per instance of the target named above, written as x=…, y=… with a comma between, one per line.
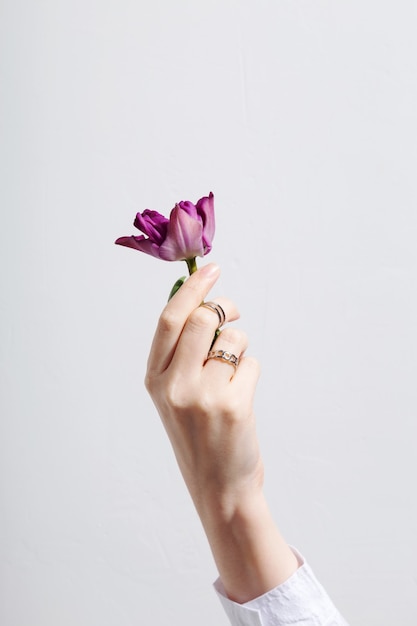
x=206, y=408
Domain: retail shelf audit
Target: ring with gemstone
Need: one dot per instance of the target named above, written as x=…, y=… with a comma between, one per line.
x=224, y=355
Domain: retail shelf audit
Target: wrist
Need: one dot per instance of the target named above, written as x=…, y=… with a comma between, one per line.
x=238, y=507
x=251, y=555
x=221, y=501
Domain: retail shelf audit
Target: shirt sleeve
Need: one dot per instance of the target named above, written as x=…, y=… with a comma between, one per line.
x=300, y=600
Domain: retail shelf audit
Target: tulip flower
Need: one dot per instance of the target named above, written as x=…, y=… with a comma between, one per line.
x=187, y=233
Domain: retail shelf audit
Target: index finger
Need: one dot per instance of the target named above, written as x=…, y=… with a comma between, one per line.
x=175, y=314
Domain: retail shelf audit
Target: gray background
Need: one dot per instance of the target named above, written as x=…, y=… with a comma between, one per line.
x=300, y=116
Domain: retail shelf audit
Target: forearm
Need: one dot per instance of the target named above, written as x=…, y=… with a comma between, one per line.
x=250, y=553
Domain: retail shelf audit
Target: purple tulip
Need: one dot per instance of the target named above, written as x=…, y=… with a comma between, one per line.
x=187, y=233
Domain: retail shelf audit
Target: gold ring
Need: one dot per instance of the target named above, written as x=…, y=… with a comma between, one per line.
x=213, y=306
x=225, y=356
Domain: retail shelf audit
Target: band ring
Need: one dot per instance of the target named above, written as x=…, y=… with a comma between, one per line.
x=225, y=356
x=214, y=306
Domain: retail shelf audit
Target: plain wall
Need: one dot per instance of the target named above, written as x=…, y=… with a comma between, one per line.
x=300, y=116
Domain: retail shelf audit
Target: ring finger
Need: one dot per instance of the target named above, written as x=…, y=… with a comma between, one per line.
x=223, y=358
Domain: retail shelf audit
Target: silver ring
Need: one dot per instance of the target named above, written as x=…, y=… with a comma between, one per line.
x=225, y=356
x=213, y=306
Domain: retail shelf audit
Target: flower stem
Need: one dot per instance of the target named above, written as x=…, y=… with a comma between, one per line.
x=192, y=265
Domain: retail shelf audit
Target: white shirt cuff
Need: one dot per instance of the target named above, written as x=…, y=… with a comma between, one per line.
x=299, y=600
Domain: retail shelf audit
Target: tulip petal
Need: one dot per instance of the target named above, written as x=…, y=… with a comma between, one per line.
x=152, y=224
x=205, y=208
x=188, y=207
x=140, y=243
x=184, y=237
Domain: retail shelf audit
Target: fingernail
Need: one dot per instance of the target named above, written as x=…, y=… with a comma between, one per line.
x=210, y=271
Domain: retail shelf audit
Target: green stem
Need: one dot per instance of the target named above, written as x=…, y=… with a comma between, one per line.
x=192, y=265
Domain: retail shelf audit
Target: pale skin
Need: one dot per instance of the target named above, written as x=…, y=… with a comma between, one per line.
x=206, y=408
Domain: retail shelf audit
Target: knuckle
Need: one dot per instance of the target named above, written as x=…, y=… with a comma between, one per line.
x=175, y=396
x=253, y=364
x=212, y=402
x=168, y=320
x=234, y=336
x=199, y=319
x=231, y=410
x=149, y=382
x=184, y=403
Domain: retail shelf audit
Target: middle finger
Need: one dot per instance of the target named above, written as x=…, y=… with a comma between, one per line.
x=197, y=337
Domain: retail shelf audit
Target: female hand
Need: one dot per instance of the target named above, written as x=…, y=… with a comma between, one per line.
x=206, y=405
x=206, y=408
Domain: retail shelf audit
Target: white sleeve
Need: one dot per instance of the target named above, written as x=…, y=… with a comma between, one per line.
x=300, y=600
